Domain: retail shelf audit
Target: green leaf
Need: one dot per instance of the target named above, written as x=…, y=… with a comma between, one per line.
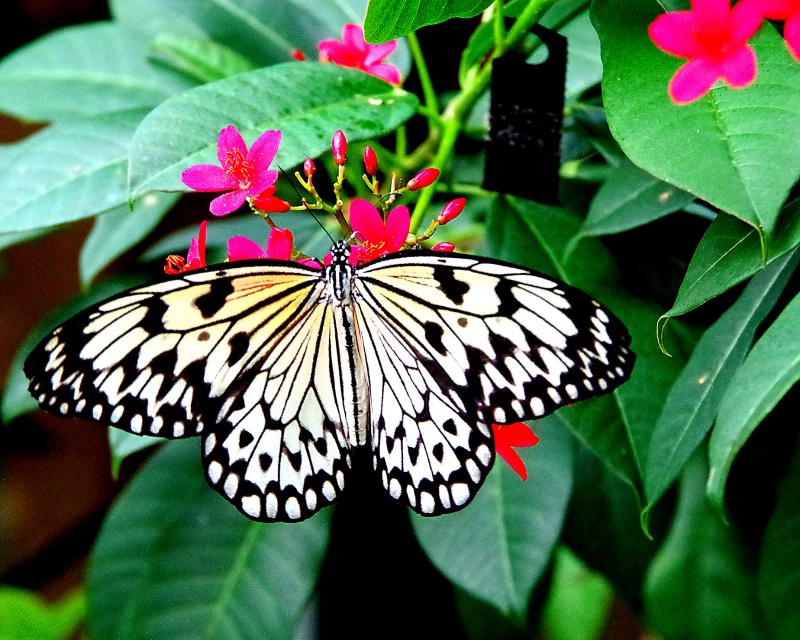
x=123, y=443
x=779, y=573
x=174, y=559
x=16, y=399
x=68, y=171
x=699, y=586
x=738, y=150
x=579, y=603
x=603, y=527
x=616, y=426
x=728, y=254
x=263, y=32
x=198, y=57
x=388, y=19
x=308, y=102
x=631, y=198
x=768, y=372
x=25, y=616
x=695, y=397
x=497, y=548
x=84, y=71
x=584, y=69
x=120, y=229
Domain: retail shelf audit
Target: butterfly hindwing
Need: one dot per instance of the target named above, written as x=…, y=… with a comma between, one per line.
x=429, y=449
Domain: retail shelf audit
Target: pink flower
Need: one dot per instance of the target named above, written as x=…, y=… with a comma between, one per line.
x=268, y=203
x=243, y=174
x=353, y=51
x=377, y=237
x=279, y=247
x=788, y=10
x=424, y=178
x=507, y=436
x=195, y=259
x=444, y=247
x=714, y=39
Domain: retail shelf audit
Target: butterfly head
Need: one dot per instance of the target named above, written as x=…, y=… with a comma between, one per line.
x=340, y=252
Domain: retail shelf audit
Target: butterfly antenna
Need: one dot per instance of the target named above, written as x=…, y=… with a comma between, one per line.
x=303, y=200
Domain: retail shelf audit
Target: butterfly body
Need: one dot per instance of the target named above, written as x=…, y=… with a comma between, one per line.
x=284, y=369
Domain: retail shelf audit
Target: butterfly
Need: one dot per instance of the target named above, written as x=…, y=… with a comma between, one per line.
x=284, y=369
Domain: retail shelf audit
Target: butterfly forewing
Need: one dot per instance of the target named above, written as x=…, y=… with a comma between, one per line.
x=521, y=344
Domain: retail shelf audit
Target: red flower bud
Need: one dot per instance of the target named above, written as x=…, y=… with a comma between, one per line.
x=268, y=203
x=370, y=161
x=298, y=55
x=339, y=148
x=445, y=247
x=309, y=168
x=451, y=210
x=424, y=178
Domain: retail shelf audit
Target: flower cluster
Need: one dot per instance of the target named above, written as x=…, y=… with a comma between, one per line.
x=714, y=39
x=353, y=51
x=245, y=176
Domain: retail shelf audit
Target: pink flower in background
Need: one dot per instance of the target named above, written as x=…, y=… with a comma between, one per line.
x=714, y=39
x=353, y=51
x=507, y=436
x=279, y=247
x=195, y=259
x=242, y=173
x=788, y=10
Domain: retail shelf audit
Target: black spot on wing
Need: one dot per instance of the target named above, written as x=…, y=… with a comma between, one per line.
x=239, y=344
x=245, y=438
x=265, y=460
x=454, y=289
x=211, y=302
x=433, y=334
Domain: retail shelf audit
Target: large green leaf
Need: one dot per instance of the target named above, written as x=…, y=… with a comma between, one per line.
x=175, y=560
x=617, y=426
x=120, y=229
x=728, y=254
x=700, y=586
x=695, y=397
x=769, y=371
x=16, y=399
x=387, y=19
x=497, y=548
x=264, y=32
x=631, y=198
x=199, y=57
x=69, y=171
x=738, y=150
x=307, y=101
x=84, y=71
x=779, y=573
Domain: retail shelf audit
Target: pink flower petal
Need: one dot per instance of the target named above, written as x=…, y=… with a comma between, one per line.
x=263, y=181
x=263, y=151
x=366, y=222
x=711, y=12
x=227, y=203
x=674, y=33
x=241, y=248
x=518, y=434
x=353, y=38
x=310, y=262
x=387, y=72
x=229, y=140
x=791, y=32
x=740, y=68
x=692, y=81
x=775, y=9
x=398, y=224
x=745, y=20
x=377, y=52
x=358, y=255
x=331, y=51
x=279, y=244
x=207, y=177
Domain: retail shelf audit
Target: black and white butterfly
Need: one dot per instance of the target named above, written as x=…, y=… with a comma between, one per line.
x=284, y=369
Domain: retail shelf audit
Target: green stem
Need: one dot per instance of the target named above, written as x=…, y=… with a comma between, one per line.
x=428, y=92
